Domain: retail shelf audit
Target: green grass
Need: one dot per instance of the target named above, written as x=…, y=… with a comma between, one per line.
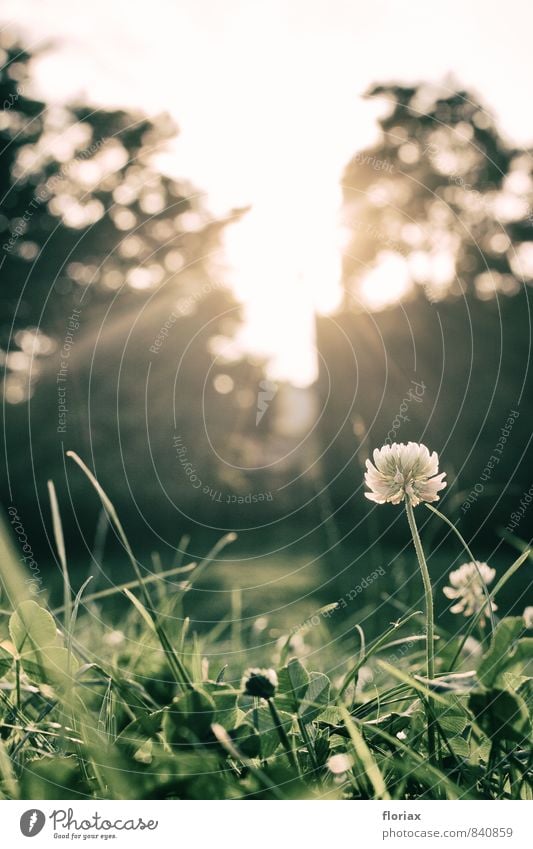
x=99, y=700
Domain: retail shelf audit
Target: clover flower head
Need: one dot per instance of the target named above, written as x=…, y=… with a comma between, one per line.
x=528, y=617
x=401, y=471
x=261, y=683
x=340, y=764
x=466, y=588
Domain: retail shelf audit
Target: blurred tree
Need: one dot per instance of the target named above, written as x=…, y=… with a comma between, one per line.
x=442, y=201
x=116, y=326
x=86, y=217
x=433, y=340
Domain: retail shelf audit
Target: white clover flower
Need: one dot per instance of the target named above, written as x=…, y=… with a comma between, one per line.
x=467, y=588
x=340, y=764
x=114, y=638
x=528, y=617
x=403, y=471
x=472, y=647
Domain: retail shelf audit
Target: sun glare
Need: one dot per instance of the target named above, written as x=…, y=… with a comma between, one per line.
x=284, y=263
x=262, y=131
x=385, y=284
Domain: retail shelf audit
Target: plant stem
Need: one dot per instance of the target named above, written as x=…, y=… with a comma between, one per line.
x=430, y=625
x=474, y=561
x=309, y=746
x=17, y=679
x=428, y=591
x=282, y=734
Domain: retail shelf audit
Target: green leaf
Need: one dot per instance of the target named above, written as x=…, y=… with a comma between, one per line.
x=189, y=717
x=192, y=775
x=459, y=746
x=316, y=697
x=453, y=724
x=321, y=746
x=247, y=740
x=293, y=681
x=6, y=661
x=454, y=717
x=225, y=701
x=365, y=756
x=57, y=778
x=525, y=690
x=50, y=665
x=501, y=715
x=7, y=773
x=392, y=723
x=479, y=750
x=32, y=627
x=140, y=730
x=43, y=658
x=268, y=733
x=330, y=715
x=505, y=652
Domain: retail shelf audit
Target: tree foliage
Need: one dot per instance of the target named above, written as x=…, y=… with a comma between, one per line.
x=442, y=191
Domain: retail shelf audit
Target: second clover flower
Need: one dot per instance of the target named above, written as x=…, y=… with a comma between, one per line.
x=401, y=471
x=467, y=588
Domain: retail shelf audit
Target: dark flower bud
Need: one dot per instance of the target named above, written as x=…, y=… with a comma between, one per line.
x=261, y=683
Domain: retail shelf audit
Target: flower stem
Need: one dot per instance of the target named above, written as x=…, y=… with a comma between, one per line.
x=282, y=734
x=474, y=561
x=430, y=626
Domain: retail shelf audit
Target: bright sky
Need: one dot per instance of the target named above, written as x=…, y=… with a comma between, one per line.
x=267, y=96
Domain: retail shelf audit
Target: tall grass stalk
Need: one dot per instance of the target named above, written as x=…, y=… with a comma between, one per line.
x=61, y=553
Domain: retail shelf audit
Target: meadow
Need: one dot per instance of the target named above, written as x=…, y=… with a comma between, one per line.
x=127, y=701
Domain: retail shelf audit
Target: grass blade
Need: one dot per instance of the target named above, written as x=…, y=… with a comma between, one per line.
x=376, y=645
x=61, y=553
x=176, y=664
x=365, y=756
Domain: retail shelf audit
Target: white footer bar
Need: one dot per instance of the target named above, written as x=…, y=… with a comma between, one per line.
x=267, y=825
